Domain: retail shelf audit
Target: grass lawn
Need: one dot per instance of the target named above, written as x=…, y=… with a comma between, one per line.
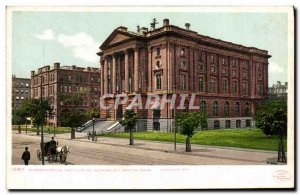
x=242, y=138
x=58, y=130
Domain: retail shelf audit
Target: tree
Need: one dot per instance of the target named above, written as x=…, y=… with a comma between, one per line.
x=92, y=113
x=74, y=116
x=188, y=122
x=271, y=116
x=18, y=117
x=129, y=120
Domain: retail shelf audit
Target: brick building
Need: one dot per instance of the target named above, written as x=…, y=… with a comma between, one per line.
x=65, y=79
x=228, y=79
x=20, y=90
x=279, y=90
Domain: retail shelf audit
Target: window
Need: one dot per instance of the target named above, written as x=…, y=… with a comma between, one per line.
x=224, y=71
x=27, y=84
x=26, y=91
x=248, y=123
x=259, y=88
x=213, y=69
x=203, y=106
x=182, y=82
x=199, y=55
x=234, y=72
x=182, y=64
x=182, y=51
x=244, y=74
x=238, y=123
x=158, y=64
x=237, y=109
x=226, y=109
x=201, y=85
x=247, y=109
x=223, y=61
x=158, y=51
x=227, y=124
x=201, y=67
x=213, y=86
x=212, y=58
x=216, y=124
x=244, y=88
x=224, y=86
x=233, y=63
x=215, y=108
x=158, y=81
x=234, y=87
x=259, y=66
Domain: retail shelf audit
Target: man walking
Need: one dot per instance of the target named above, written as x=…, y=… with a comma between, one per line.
x=26, y=156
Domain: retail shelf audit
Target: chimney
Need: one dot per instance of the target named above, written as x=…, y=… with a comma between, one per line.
x=32, y=73
x=47, y=67
x=56, y=65
x=187, y=26
x=73, y=67
x=122, y=28
x=286, y=84
x=166, y=22
x=278, y=83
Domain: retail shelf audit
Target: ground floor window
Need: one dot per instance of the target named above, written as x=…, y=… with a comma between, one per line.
x=216, y=124
x=248, y=123
x=227, y=124
x=238, y=123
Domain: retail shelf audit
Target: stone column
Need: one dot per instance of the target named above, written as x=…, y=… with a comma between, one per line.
x=136, y=69
x=105, y=75
x=126, y=72
x=114, y=73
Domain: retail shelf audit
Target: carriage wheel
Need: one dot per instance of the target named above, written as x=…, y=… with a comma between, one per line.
x=38, y=153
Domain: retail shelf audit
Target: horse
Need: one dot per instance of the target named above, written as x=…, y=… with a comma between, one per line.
x=63, y=152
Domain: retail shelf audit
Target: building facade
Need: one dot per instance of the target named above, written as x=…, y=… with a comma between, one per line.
x=20, y=91
x=278, y=90
x=57, y=80
x=228, y=79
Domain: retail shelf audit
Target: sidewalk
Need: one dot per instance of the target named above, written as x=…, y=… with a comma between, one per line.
x=240, y=154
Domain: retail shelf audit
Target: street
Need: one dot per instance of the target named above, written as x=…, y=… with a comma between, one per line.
x=113, y=151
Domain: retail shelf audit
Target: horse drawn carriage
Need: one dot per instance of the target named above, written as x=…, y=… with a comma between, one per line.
x=52, y=152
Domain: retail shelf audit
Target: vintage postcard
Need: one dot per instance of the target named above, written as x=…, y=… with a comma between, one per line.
x=150, y=97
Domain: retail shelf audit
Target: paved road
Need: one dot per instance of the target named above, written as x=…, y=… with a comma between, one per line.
x=113, y=151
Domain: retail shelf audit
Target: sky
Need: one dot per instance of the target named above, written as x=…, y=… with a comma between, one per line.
x=73, y=38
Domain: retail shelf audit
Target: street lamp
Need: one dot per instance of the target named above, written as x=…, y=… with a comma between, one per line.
x=42, y=121
x=93, y=136
x=54, y=124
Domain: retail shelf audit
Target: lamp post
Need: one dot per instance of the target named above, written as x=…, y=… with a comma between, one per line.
x=54, y=124
x=42, y=121
x=93, y=135
x=174, y=87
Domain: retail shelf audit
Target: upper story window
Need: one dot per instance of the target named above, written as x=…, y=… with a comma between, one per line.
x=182, y=51
x=223, y=61
x=235, y=88
x=182, y=82
x=226, y=109
x=234, y=72
x=215, y=108
x=203, y=106
x=158, y=65
x=213, y=68
x=182, y=64
x=199, y=55
x=247, y=109
x=201, y=84
x=259, y=66
x=233, y=62
x=158, y=81
x=237, y=108
x=213, y=85
x=158, y=51
x=224, y=86
x=244, y=88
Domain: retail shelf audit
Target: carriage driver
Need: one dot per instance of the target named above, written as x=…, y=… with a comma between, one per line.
x=53, y=146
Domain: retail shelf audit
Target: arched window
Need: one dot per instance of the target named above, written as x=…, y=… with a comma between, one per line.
x=215, y=108
x=237, y=108
x=216, y=124
x=203, y=106
x=238, y=123
x=227, y=124
x=247, y=109
x=226, y=109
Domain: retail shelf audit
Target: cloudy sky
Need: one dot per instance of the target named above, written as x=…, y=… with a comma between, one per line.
x=73, y=38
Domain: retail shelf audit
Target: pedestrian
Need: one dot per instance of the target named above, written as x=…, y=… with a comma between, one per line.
x=26, y=156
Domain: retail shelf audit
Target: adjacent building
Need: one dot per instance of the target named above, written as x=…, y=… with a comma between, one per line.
x=56, y=80
x=20, y=90
x=278, y=90
x=228, y=79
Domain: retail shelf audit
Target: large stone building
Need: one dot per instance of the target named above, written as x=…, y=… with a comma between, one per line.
x=228, y=79
x=20, y=90
x=58, y=79
x=278, y=90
